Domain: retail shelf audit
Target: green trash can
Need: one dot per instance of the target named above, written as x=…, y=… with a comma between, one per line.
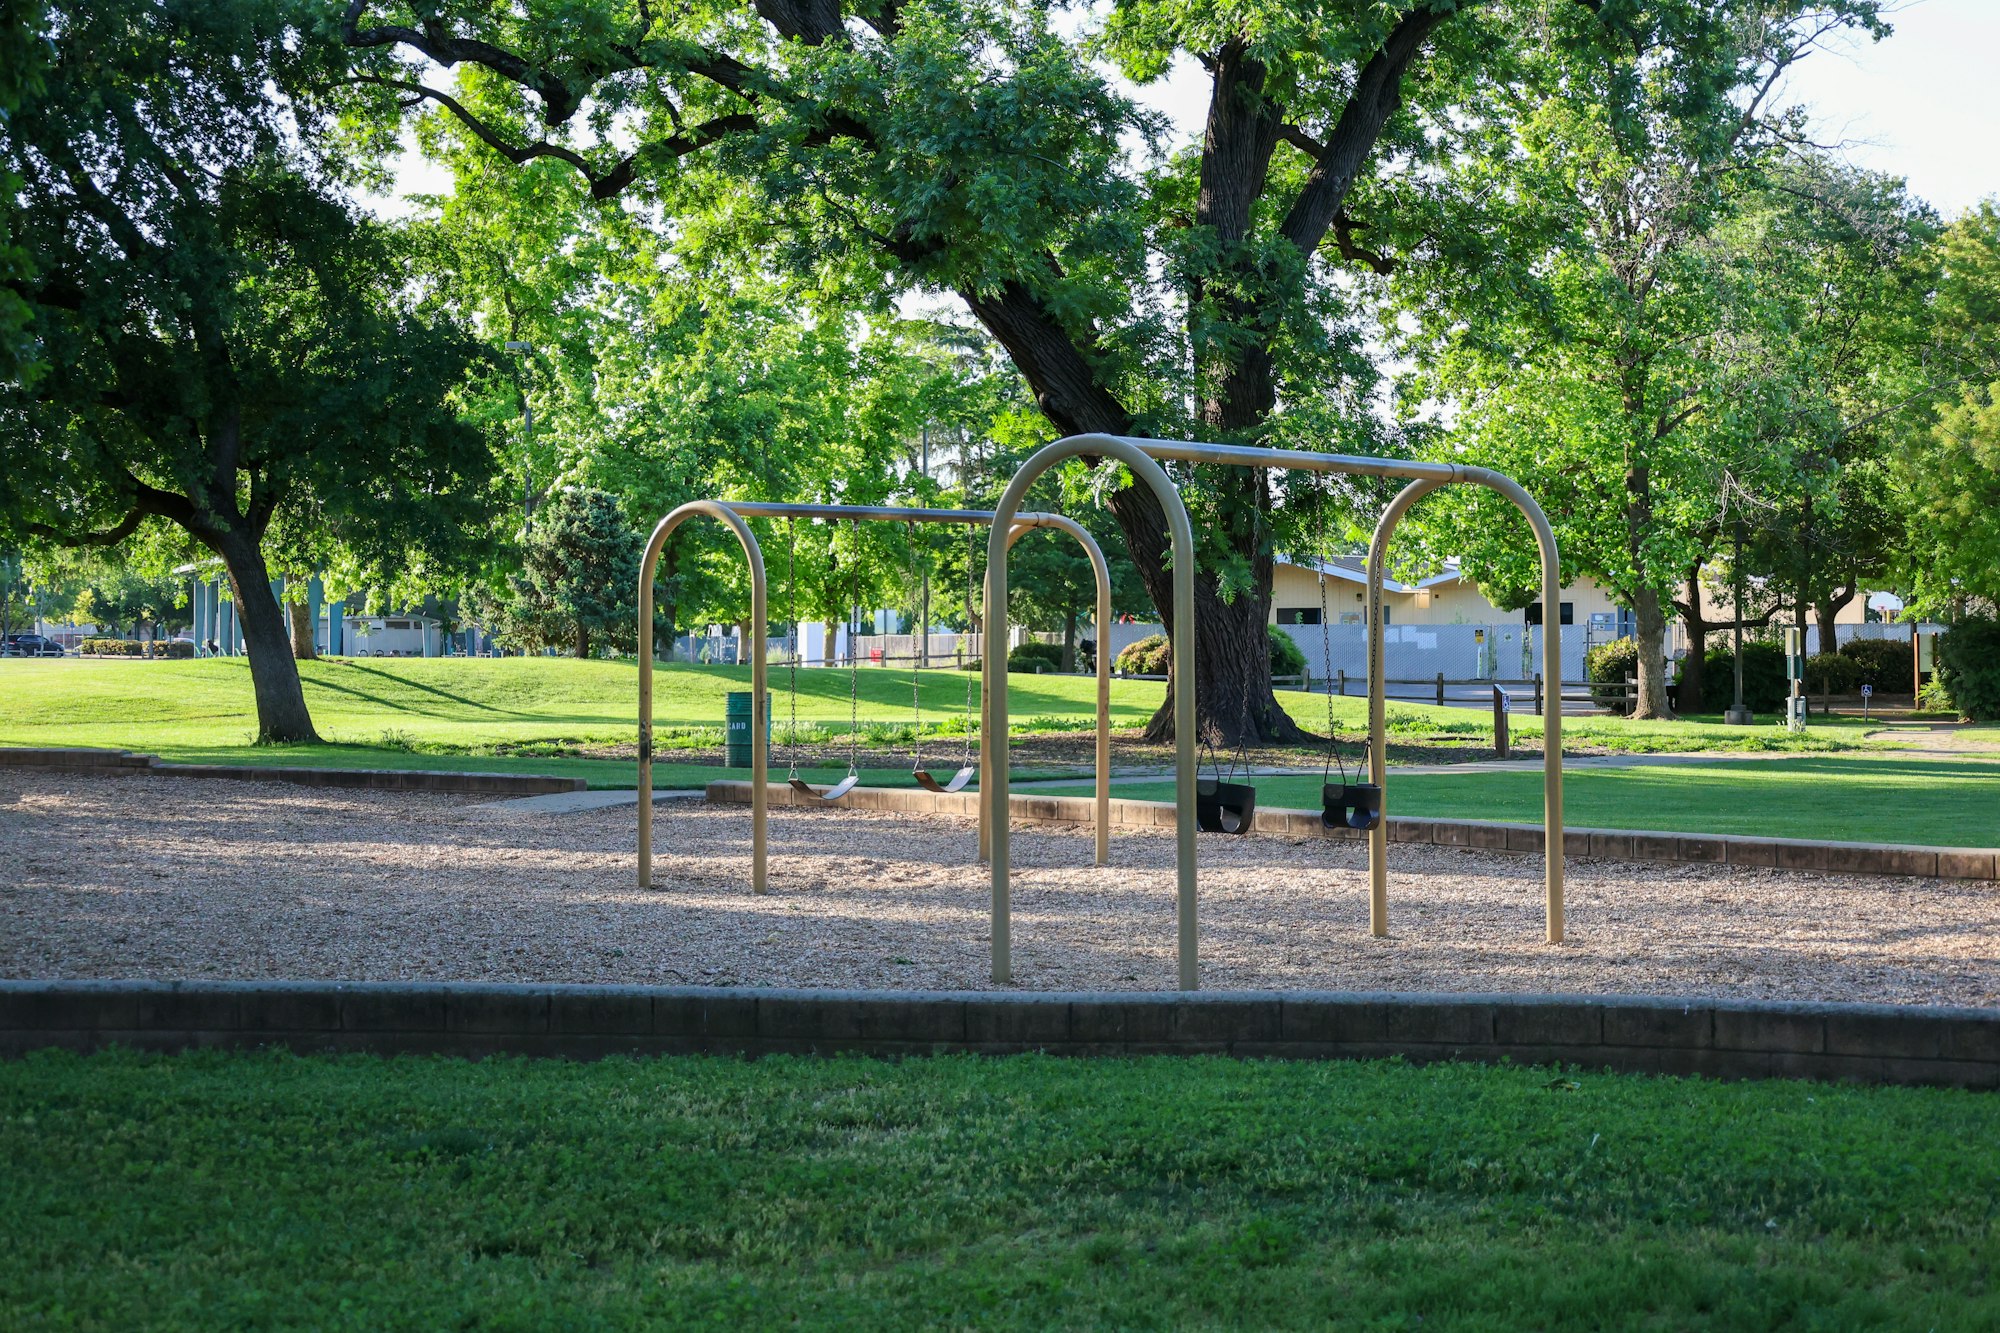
x=736, y=726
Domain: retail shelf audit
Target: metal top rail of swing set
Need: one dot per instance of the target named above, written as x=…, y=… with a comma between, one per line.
x=1142, y=457
x=733, y=515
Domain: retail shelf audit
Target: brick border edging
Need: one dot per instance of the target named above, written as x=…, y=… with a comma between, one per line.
x=377, y=779
x=1847, y=858
x=1864, y=1043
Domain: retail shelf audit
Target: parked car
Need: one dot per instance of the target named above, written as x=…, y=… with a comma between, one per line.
x=30, y=645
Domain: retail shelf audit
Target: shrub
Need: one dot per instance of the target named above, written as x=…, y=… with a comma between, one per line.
x=109, y=647
x=1834, y=673
x=1287, y=658
x=1765, y=687
x=179, y=650
x=1610, y=663
x=1030, y=655
x=1968, y=668
x=1885, y=663
x=1150, y=656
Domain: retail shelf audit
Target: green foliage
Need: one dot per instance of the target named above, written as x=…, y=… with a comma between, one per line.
x=1765, y=685
x=110, y=647
x=1968, y=667
x=228, y=347
x=1834, y=673
x=580, y=577
x=1951, y=472
x=1885, y=663
x=1612, y=663
x=1150, y=656
x=1155, y=1191
x=1028, y=656
x=1287, y=658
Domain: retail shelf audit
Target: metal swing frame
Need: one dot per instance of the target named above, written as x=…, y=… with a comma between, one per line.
x=1142, y=457
x=733, y=514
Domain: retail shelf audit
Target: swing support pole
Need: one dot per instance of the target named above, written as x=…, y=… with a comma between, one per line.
x=759, y=707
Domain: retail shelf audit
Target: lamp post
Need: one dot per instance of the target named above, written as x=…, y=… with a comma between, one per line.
x=525, y=350
x=1738, y=714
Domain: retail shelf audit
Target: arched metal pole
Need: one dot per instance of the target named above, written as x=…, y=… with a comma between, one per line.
x=1552, y=796
x=1102, y=571
x=759, y=755
x=994, y=791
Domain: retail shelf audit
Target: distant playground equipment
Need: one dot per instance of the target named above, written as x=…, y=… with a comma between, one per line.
x=734, y=513
x=1226, y=807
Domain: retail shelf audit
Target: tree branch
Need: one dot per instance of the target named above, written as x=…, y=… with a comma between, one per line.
x=603, y=185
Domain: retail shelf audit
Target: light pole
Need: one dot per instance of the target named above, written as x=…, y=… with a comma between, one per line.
x=526, y=350
x=1738, y=714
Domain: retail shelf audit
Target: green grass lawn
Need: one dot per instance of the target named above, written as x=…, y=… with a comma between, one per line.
x=1859, y=798
x=394, y=712
x=270, y=1191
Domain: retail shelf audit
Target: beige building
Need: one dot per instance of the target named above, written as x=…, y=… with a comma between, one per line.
x=1446, y=598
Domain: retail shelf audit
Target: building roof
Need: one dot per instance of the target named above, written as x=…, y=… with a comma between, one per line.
x=1354, y=569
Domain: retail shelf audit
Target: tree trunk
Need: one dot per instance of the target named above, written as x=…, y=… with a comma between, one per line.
x=1694, y=685
x=1827, y=613
x=303, y=648
x=1069, y=642
x=1651, y=639
x=274, y=675
x=582, y=649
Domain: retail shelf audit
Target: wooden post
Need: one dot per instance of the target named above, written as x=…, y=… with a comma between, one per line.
x=1343, y=684
x=1538, y=694
x=1440, y=689
x=1499, y=722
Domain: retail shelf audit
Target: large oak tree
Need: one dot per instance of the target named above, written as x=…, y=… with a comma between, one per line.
x=221, y=343
x=978, y=147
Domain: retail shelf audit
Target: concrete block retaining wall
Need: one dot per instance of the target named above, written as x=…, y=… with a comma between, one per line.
x=1850, y=858
x=1637, y=1034
x=379, y=779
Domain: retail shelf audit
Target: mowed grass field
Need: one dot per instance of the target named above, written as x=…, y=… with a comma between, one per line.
x=1858, y=798
x=272, y=1191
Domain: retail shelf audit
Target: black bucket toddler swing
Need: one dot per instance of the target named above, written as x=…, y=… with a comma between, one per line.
x=1358, y=804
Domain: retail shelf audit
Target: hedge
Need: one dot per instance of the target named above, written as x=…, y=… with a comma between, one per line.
x=1765, y=687
x=1034, y=653
x=1150, y=656
x=1885, y=663
x=172, y=648
x=1968, y=668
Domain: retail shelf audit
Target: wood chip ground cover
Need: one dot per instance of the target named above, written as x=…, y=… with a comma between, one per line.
x=172, y=878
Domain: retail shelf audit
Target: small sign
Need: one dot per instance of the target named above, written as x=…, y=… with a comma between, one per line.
x=1867, y=691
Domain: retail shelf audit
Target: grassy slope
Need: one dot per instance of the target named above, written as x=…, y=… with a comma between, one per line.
x=1856, y=798
x=474, y=704
x=273, y=1191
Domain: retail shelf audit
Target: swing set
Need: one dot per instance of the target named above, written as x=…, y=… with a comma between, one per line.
x=734, y=514
x=1213, y=804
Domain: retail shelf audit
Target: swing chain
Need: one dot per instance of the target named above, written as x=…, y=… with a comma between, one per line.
x=854, y=664
x=792, y=642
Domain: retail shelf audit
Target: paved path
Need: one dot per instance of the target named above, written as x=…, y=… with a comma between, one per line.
x=576, y=802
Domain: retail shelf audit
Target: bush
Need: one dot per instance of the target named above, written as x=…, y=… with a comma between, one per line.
x=1834, y=673
x=1885, y=663
x=1287, y=658
x=1610, y=663
x=1765, y=687
x=1150, y=656
x=1030, y=655
x=109, y=648
x=1968, y=668
x=180, y=650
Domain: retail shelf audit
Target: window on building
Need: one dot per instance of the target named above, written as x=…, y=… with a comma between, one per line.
x=1298, y=615
x=1565, y=612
